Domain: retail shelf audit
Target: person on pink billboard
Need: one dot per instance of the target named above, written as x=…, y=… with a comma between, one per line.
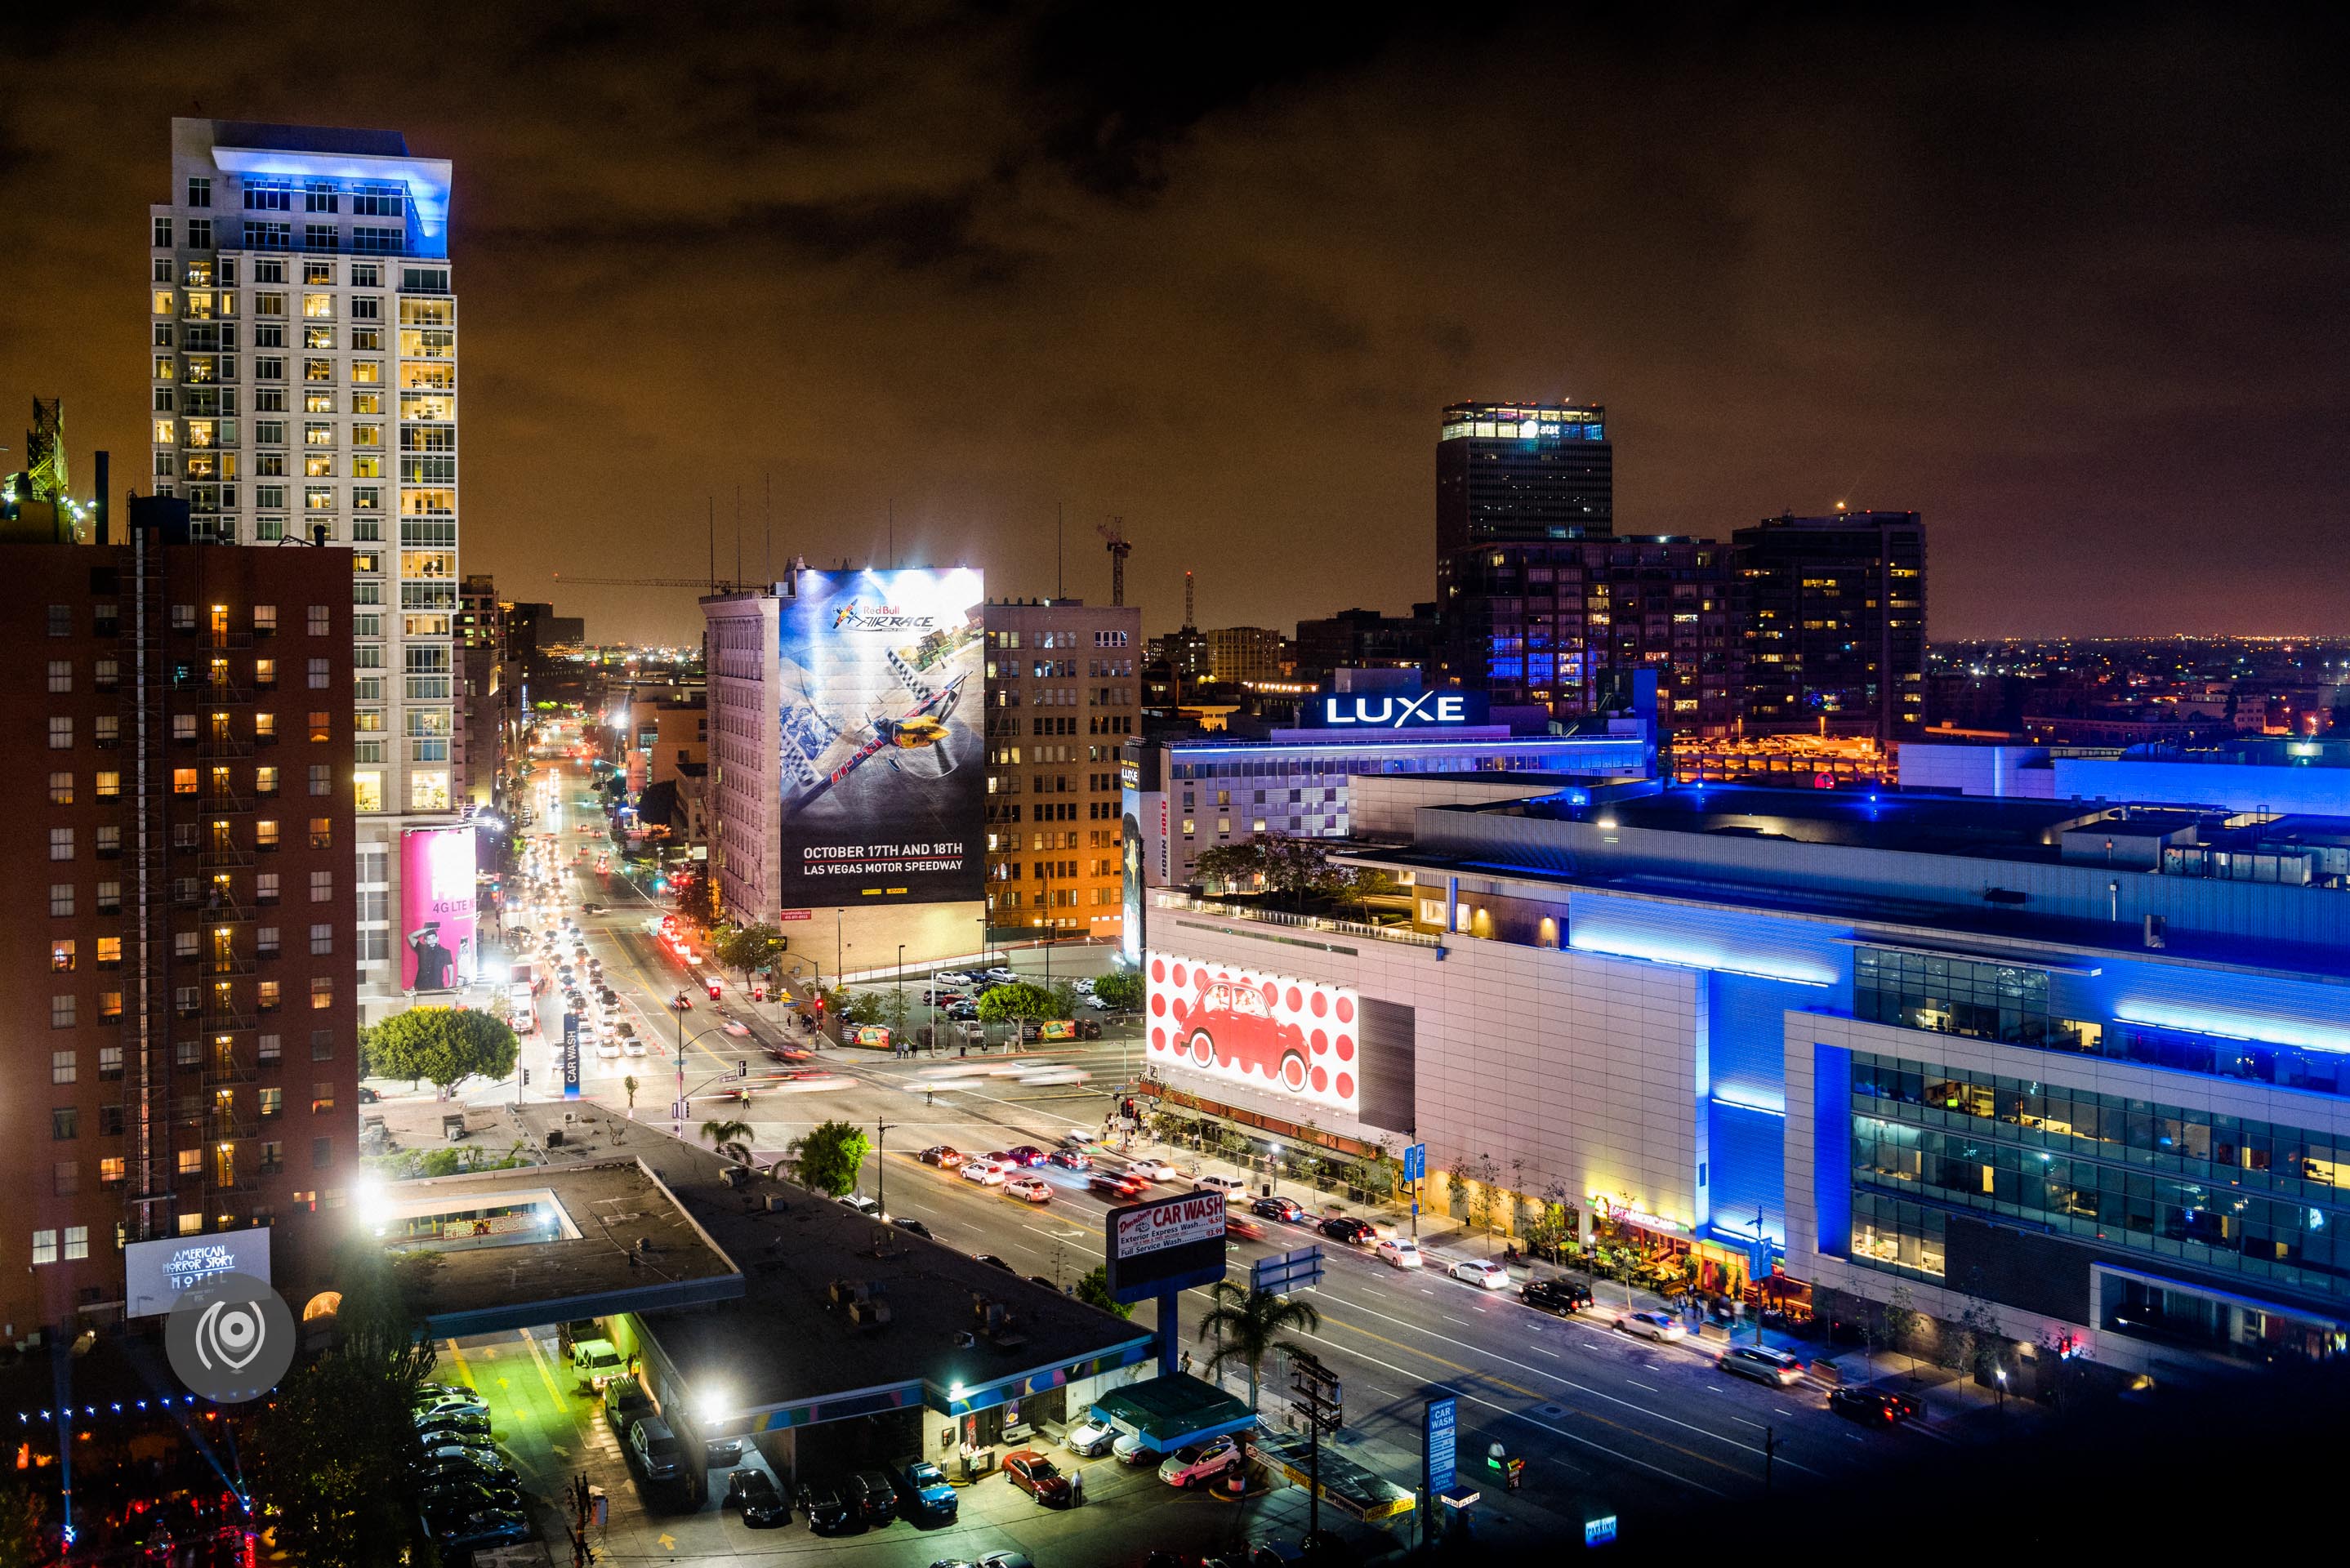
x=435, y=965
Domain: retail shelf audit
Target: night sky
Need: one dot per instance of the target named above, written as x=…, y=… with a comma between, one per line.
x=2077, y=290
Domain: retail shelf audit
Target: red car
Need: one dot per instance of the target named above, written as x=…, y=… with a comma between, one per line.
x=1038, y=1476
x=714, y=992
x=1233, y=1025
x=1025, y=1155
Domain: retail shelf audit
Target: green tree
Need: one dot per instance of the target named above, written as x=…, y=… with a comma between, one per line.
x=1485, y=1179
x=1017, y=1002
x=1903, y=1323
x=731, y=1139
x=743, y=949
x=628, y=1086
x=831, y=1156
x=1093, y=1289
x=440, y=1045
x=1247, y=1326
x=1120, y=991
x=330, y=1447
x=1229, y=868
x=22, y=1507
x=1365, y=883
x=1065, y=999
x=895, y=1010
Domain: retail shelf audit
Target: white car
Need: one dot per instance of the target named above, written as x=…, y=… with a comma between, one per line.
x=1089, y=1439
x=1191, y=1467
x=1398, y=1251
x=1032, y=1189
x=1154, y=1170
x=1662, y=1327
x=632, y=1045
x=607, y=1050
x=1229, y=1186
x=735, y=1027
x=986, y=1172
x=1484, y=1275
x=1130, y=1450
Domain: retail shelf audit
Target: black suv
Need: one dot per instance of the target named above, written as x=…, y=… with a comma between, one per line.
x=1872, y=1406
x=871, y=1493
x=825, y=1508
x=1564, y=1297
x=1347, y=1229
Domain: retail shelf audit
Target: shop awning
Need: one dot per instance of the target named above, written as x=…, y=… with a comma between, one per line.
x=1345, y=1485
x=1169, y=1412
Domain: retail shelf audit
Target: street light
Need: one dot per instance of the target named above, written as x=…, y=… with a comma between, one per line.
x=881, y=1166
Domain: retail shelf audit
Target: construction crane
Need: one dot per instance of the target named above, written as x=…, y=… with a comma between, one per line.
x=1114, y=531
x=707, y=585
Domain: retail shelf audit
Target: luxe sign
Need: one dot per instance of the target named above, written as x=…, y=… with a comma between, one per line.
x=1397, y=709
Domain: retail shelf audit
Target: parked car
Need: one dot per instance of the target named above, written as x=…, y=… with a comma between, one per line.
x=1872, y=1407
x=1399, y=1252
x=1130, y=1450
x=986, y=1172
x=1150, y=1169
x=1565, y=1297
x=474, y=1438
x=1286, y=1210
x=1662, y=1327
x=753, y=1494
x=862, y=1204
x=1071, y=1159
x=477, y=1530
x=464, y=1465
x=655, y=1449
x=625, y=1403
x=596, y=1361
x=1345, y=1228
x=445, y=1393
x=873, y=1495
x=1090, y=1439
x=943, y=1154
x=1229, y=1186
x=923, y=1488
x=459, y=1418
x=1196, y=1466
x=1762, y=1363
x=826, y=1508
x=1038, y=1476
x=463, y=1495
x=1483, y=1273
x=1031, y=1189
x=998, y=1263
x=906, y=1222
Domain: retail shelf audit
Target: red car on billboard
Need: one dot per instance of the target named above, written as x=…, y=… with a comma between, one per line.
x=1233, y=1026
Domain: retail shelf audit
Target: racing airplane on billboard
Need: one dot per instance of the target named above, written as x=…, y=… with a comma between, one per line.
x=920, y=730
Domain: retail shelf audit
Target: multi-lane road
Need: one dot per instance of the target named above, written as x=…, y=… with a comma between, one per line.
x=1605, y=1422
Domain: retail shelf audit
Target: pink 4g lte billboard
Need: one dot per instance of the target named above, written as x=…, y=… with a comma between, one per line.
x=1297, y=1038
x=436, y=909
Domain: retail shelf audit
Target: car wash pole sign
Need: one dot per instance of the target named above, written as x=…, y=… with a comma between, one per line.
x=1165, y=1245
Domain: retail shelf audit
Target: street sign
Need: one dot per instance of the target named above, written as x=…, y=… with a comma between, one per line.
x=1415, y=1163
x=570, y=1056
x=1165, y=1245
x=1319, y=1396
x=1286, y=1272
x=1439, y=1433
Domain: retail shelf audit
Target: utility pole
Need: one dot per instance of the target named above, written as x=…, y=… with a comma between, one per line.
x=881, y=1166
x=1318, y=1395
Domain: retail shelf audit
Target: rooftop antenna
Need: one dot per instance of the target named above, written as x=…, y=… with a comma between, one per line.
x=711, y=503
x=768, y=518
x=1114, y=531
x=1188, y=622
x=1060, y=584
x=738, y=533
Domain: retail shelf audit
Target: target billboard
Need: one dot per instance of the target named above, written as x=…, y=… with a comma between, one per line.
x=1297, y=1038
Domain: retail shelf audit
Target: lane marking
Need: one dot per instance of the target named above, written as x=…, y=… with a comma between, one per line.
x=1638, y=1383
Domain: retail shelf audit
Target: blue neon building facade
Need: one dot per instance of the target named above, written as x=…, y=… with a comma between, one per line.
x=2001, y=1055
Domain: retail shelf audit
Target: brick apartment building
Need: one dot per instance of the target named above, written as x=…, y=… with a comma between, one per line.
x=181, y=984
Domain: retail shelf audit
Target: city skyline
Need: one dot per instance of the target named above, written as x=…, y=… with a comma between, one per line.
x=1066, y=267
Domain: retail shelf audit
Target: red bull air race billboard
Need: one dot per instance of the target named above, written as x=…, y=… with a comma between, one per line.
x=436, y=905
x=883, y=772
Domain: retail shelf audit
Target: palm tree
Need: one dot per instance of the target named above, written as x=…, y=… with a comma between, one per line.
x=731, y=1140
x=1247, y=1325
x=629, y=1083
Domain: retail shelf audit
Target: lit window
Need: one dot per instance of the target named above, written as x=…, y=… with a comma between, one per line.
x=44, y=1242
x=61, y=789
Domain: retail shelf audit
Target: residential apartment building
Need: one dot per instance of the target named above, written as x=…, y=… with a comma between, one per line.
x=183, y=973
x=1565, y=627
x=1833, y=621
x=489, y=696
x=1237, y=653
x=1063, y=694
x=303, y=334
x=1365, y=640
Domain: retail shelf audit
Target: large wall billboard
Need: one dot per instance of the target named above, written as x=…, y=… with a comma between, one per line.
x=436, y=909
x=1298, y=1038
x=155, y=1272
x=884, y=776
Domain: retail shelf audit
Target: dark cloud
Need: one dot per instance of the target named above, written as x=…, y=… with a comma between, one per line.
x=2073, y=283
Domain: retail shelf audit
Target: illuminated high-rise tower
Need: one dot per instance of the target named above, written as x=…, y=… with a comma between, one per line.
x=302, y=337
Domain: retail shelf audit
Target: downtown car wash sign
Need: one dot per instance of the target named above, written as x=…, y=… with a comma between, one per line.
x=1165, y=1245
